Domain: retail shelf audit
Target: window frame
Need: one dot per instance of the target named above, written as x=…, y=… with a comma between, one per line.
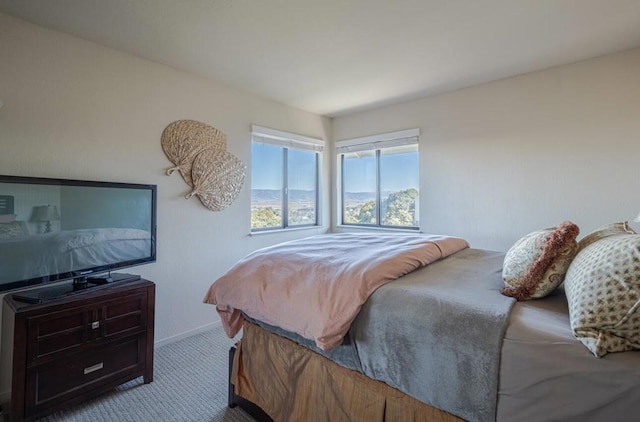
x=287, y=141
x=375, y=144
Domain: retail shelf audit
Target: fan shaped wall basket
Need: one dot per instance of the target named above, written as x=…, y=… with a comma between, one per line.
x=199, y=153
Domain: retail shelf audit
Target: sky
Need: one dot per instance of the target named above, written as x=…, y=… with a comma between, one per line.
x=398, y=171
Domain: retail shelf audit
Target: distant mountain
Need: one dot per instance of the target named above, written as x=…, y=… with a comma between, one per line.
x=359, y=196
x=265, y=195
x=273, y=195
x=365, y=196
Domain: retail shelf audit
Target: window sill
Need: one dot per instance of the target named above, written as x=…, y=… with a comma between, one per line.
x=343, y=227
x=287, y=230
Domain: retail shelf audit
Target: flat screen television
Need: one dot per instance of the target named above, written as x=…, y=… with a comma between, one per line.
x=79, y=231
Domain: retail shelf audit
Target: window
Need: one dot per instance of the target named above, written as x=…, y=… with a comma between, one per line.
x=284, y=179
x=379, y=180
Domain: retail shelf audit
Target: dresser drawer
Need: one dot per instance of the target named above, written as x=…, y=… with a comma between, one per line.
x=57, y=332
x=124, y=315
x=65, y=331
x=61, y=380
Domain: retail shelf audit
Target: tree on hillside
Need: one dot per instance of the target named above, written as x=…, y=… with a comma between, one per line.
x=367, y=214
x=265, y=217
x=399, y=209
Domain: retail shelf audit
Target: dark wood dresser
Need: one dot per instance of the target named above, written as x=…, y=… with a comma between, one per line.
x=70, y=349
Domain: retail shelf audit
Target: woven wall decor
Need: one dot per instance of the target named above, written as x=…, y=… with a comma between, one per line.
x=217, y=178
x=199, y=153
x=183, y=140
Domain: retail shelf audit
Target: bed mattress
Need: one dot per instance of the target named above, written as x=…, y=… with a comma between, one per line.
x=547, y=374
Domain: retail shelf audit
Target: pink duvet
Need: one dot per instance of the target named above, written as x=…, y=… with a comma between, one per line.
x=316, y=286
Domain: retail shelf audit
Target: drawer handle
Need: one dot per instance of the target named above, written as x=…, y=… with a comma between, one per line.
x=93, y=368
x=95, y=325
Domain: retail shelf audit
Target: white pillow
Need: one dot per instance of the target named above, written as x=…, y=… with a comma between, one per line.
x=604, y=231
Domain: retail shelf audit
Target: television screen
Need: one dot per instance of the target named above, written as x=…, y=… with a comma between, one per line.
x=57, y=229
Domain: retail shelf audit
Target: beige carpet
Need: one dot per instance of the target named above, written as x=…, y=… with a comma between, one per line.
x=190, y=385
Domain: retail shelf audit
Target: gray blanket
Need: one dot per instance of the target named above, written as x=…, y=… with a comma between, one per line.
x=436, y=333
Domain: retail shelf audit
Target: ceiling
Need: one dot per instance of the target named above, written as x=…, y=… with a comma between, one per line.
x=334, y=57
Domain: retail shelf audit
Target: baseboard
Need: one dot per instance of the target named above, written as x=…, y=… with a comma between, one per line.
x=186, y=334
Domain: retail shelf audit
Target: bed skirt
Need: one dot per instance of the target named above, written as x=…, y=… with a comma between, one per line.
x=292, y=383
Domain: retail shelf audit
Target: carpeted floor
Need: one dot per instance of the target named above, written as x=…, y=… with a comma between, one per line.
x=190, y=385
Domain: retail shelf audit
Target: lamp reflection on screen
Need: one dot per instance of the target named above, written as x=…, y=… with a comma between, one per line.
x=46, y=214
x=637, y=218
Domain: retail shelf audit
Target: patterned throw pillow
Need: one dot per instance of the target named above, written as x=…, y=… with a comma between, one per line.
x=603, y=293
x=536, y=264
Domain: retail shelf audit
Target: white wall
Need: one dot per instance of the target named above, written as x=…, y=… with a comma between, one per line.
x=502, y=159
x=74, y=109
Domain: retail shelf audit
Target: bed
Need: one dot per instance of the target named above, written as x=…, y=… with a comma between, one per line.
x=439, y=342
